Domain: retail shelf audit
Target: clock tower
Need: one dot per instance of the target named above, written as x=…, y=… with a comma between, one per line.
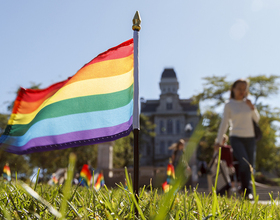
x=170, y=114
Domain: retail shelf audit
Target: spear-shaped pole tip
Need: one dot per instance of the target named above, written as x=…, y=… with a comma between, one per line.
x=136, y=22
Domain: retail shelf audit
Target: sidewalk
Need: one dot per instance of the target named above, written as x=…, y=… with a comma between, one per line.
x=262, y=190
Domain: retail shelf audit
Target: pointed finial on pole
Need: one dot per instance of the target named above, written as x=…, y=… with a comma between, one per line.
x=136, y=22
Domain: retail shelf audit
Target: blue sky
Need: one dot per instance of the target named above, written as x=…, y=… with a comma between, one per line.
x=48, y=41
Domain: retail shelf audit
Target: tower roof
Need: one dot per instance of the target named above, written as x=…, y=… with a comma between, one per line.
x=168, y=73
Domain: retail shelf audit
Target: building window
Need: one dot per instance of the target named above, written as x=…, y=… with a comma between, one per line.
x=178, y=127
x=162, y=147
x=169, y=127
x=161, y=127
x=157, y=149
x=168, y=106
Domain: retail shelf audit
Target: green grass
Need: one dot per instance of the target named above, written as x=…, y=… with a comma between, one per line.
x=21, y=201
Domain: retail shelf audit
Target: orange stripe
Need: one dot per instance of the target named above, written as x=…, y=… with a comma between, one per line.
x=103, y=69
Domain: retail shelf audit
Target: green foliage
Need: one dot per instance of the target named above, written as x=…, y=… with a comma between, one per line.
x=262, y=86
x=214, y=88
x=205, y=147
x=123, y=152
x=267, y=156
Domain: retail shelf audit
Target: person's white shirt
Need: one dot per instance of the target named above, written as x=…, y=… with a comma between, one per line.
x=238, y=117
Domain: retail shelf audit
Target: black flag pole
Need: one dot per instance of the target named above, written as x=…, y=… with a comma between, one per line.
x=136, y=122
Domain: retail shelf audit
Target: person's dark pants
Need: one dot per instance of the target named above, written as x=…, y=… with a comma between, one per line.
x=244, y=148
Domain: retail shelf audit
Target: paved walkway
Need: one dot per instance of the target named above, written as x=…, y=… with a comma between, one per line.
x=265, y=192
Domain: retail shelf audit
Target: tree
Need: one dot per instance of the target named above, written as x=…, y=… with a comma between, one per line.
x=216, y=88
x=211, y=121
x=266, y=149
x=123, y=152
x=263, y=86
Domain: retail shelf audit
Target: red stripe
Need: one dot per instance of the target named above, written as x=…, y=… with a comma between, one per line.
x=37, y=95
x=123, y=50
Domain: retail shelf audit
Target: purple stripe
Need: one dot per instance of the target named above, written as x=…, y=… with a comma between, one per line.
x=73, y=139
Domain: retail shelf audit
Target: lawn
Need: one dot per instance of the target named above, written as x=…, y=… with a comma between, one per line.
x=40, y=201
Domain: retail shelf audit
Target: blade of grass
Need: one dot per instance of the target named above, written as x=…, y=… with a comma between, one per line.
x=130, y=189
x=5, y=212
x=199, y=206
x=215, y=205
x=37, y=179
x=272, y=207
x=185, y=205
x=74, y=209
x=218, y=169
x=68, y=183
x=36, y=196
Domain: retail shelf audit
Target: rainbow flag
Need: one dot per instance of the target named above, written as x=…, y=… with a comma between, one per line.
x=166, y=187
x=170, y=176
x=93, y=106
x=99, y=182
x=85, y=176
x=7, y=173
x=170, y=172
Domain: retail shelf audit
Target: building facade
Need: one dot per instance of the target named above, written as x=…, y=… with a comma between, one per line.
x=174, y=118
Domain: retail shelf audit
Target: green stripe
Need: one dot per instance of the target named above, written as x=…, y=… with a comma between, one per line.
x=74, y=106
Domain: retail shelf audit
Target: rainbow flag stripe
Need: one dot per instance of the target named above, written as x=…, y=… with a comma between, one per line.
x=166, y=187
x=99, y=182
x=85, y=175
x=170, y=172
x=93, y=106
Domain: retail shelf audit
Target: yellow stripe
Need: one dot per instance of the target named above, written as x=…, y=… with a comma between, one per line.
x=78, y=89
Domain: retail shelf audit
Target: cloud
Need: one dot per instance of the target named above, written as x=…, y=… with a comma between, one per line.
x=238, y=30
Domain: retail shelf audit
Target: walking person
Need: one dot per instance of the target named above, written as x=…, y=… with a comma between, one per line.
x=239, y=113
